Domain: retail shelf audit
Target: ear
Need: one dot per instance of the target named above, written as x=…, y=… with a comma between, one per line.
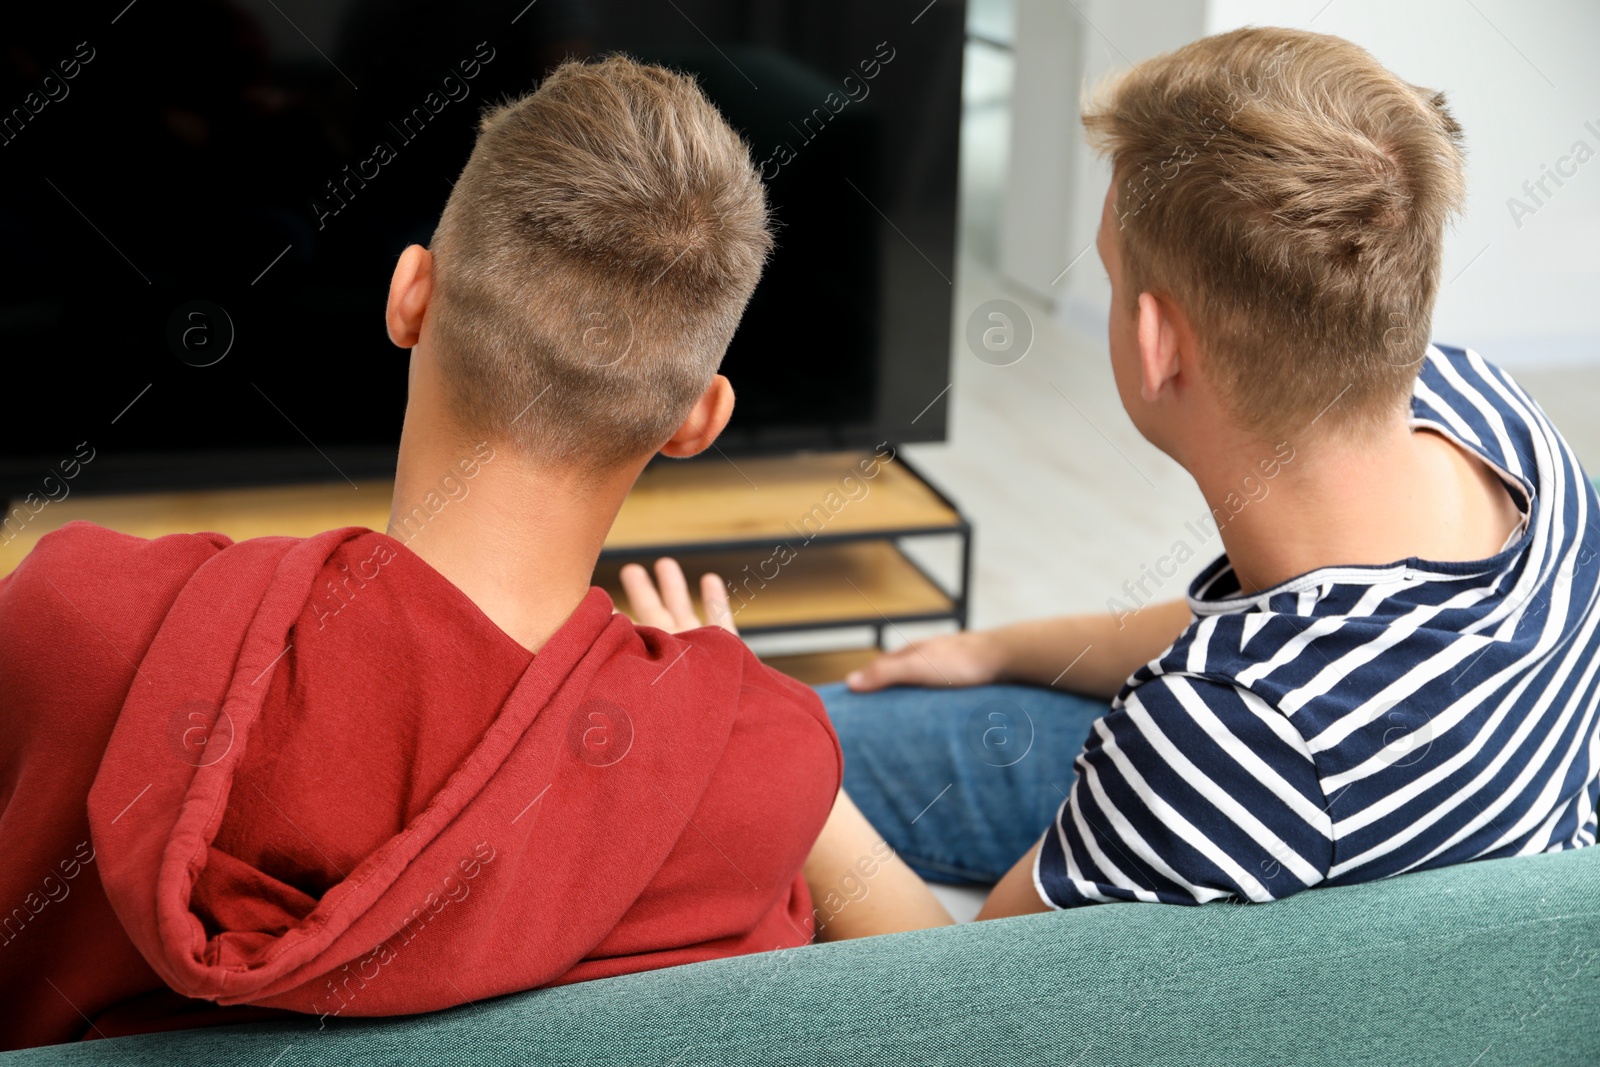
x=1158, y=347
x=706, y=420
x=409, y=292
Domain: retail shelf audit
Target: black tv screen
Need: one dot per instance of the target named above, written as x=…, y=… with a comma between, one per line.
x=203, y=202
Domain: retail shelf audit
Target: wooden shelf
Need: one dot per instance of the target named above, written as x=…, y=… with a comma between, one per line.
x=839, y=565
x=768, y=499
x=837, y=526
x=758, y=501
x=289, y=510
x=820, y=668
x=823, y=585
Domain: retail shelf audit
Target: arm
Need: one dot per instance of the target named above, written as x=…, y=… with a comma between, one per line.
x=1088, y=654
x=1188, y=792
x=1015, y=893
x=859, y=887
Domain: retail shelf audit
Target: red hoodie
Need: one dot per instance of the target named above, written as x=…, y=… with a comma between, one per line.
x=312, y=775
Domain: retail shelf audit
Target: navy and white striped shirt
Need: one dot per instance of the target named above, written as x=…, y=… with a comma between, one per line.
x=1358, y=722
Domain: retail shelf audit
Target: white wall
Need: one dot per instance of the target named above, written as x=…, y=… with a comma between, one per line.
x=1521, y=77
x=1055, y=185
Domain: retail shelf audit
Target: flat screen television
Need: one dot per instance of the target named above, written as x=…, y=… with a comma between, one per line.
x=203, y=201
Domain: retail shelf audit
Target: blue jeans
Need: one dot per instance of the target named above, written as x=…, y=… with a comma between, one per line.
x=961, y=782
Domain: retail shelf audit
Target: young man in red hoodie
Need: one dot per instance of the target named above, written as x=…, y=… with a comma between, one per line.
x=378, y=773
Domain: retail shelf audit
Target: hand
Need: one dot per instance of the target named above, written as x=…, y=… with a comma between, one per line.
x=971, y=657
x=671, y=609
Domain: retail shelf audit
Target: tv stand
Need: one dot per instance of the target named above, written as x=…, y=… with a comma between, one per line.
x=808, y=543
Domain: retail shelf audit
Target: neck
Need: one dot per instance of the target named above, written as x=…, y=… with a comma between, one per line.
x=519, y=539
x=1287, y=508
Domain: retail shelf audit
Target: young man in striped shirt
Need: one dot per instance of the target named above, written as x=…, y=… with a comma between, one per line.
x=1394, y=664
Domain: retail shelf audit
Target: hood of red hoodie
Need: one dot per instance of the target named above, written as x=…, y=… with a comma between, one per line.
x=524, y=863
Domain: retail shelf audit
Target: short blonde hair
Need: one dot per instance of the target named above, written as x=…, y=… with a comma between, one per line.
x=593, y=261
x=1291, y=194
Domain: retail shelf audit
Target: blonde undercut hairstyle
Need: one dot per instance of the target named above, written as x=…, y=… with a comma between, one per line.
x=1291, y=195
x=592, y=263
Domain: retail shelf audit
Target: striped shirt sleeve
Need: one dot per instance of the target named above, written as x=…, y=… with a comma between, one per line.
x=1188, y=791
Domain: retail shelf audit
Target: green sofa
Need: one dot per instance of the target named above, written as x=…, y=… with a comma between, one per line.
x=1496, y=962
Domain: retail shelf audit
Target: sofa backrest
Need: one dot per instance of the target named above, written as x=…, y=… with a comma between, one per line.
x=1496, y=962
